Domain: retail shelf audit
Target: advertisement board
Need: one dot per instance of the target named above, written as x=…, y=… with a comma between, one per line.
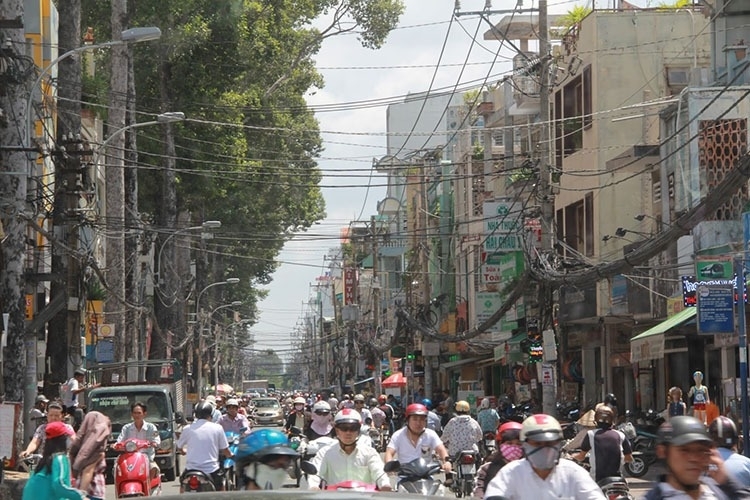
x=503, y=223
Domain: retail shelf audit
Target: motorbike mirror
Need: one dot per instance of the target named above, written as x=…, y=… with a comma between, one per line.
x=308, y=468
x=392, y=466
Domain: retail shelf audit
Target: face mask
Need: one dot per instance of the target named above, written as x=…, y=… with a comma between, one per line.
x=299, y=407
x=266, y=477
x=321, y=419
x=542, y=457
x=511, y=452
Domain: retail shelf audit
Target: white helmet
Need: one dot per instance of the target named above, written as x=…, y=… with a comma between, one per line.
x=541, y=427
x=347, y=416
x=299, y=400
x=321, y=407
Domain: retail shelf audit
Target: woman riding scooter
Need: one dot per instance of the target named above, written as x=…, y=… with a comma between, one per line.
x=262, y=460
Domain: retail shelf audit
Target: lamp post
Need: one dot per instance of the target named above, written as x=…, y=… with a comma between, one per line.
x=168, y=117
x=199, y=363
x=132, y=35
x=217, y=352
x=206, y=226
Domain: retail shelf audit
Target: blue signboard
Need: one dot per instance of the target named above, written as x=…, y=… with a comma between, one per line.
x=746, y=229
x=715, y=309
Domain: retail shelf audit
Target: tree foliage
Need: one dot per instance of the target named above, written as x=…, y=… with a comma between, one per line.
x=239, y=70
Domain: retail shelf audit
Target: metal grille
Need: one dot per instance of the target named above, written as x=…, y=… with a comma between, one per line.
x=721, y=143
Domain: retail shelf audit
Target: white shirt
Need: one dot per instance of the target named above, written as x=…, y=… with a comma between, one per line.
x=204, y=441
x=568, y=480
x=69, y=397
x=461, y=433
x=363, y=464
x=406, y=452
x=147, y=432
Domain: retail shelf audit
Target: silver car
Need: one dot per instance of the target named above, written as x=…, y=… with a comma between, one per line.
x=268, y=411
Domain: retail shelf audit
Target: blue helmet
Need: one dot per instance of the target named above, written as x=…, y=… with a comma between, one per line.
x=261, y=443
x=428, y=403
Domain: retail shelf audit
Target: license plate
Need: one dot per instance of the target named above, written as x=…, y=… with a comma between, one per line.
x=467, y=469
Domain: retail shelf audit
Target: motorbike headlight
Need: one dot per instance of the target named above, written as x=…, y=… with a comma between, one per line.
x=131, y=446
x=166, y=444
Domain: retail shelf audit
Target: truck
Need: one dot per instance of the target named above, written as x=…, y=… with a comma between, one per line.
x=260, y=386
x=157, y=383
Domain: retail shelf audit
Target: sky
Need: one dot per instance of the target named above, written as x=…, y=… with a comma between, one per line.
x=354, y=136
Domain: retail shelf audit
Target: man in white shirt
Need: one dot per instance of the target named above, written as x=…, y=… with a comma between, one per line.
x=204, y=440
x=542, y=474
x=414, y=440
x=140, y=429
x=348, y=459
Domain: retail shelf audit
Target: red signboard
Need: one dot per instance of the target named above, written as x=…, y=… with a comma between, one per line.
x=350, y=286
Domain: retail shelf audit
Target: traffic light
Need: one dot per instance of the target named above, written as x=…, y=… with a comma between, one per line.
x=410, y=356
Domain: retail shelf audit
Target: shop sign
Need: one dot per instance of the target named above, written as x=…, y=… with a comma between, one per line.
x=577, y=303
x=690, y=286
x=646, y=349
x=350, y=285
x=715, y=309
x=502, y=225
x=618, y=293
x=487, y=304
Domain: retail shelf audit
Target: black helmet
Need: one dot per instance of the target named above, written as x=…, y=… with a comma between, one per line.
x=683, y=430
x=203, y=409
x=604, y=415
x=610, y=400
x=723, y=431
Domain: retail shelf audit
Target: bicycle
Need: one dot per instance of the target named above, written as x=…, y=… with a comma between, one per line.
x=425, y=313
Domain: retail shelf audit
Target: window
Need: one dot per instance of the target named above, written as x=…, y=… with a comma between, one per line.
x=575, y=226
x=573, y=110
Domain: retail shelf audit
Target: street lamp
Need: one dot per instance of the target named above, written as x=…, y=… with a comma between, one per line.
x=199, y=379
x=132, y=35
x=207, y=225
x=217, y=352
x=168, y=117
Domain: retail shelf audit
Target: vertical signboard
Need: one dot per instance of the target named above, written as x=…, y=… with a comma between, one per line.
x=502, y=227
x=350, y=286
x=715, y=309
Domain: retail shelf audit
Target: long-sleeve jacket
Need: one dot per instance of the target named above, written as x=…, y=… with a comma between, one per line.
x=52, y=484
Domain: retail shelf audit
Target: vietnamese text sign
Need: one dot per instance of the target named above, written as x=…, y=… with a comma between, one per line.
x=502, y=226
x=715, y=309
x=350, y=285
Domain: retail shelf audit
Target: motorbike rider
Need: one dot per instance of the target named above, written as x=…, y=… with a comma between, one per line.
x=378, y=417
x=414, y=440
x=296, y=417
x=541, y=438
x=508, y=440
x=359, y=405
x=320, y=425
x=262, y=459
x=433, y=419
x=611, y=401
x=724, y=433
x=462, y=432
x=204, y=440
x=349, y=458
x=140, y=429
x=487, y=417
x=39, y=411
x=54, y=414
x=694, y=468
x=390, y=413
x=608, y=447
x=232, y=420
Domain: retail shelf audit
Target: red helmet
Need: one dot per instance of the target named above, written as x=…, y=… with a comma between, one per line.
x=416, y=409
x=509, y=431
x=382, y=398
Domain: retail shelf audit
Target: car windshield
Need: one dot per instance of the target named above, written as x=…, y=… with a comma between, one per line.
x=117, y=407
x=266, y=403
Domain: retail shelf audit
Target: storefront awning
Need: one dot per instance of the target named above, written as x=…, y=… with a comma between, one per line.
x=650, y=344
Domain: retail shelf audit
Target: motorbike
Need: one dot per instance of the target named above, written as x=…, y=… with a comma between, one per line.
x=488, y=444
x=133, y=470
x=307, y=450
x=383, y=438
x=416, y=476
x=227, y=464
x=298, y=443
x=464, y=472
x=195, y=481
x=350, y=485
x=643, y=443
x=615, y=488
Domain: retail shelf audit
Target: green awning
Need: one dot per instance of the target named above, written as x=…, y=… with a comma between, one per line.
x=650, y=344
x=669, y=323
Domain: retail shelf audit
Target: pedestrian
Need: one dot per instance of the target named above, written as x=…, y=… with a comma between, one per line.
x=51, y=479
x=87, y=451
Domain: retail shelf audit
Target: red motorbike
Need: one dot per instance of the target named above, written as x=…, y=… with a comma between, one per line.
x=133, y=470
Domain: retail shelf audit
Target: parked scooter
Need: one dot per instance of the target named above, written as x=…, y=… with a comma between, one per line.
x=417, y=476
x=133, y=470
x=464, y=472
x=644, y=443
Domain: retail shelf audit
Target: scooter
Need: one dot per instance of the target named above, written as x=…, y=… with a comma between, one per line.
x=350, y=485
x=615, y=488
x=416, y=476
x=195, y=481
x=489, y=445
x=464, y=471
x=227, y=464
x=133, y=470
